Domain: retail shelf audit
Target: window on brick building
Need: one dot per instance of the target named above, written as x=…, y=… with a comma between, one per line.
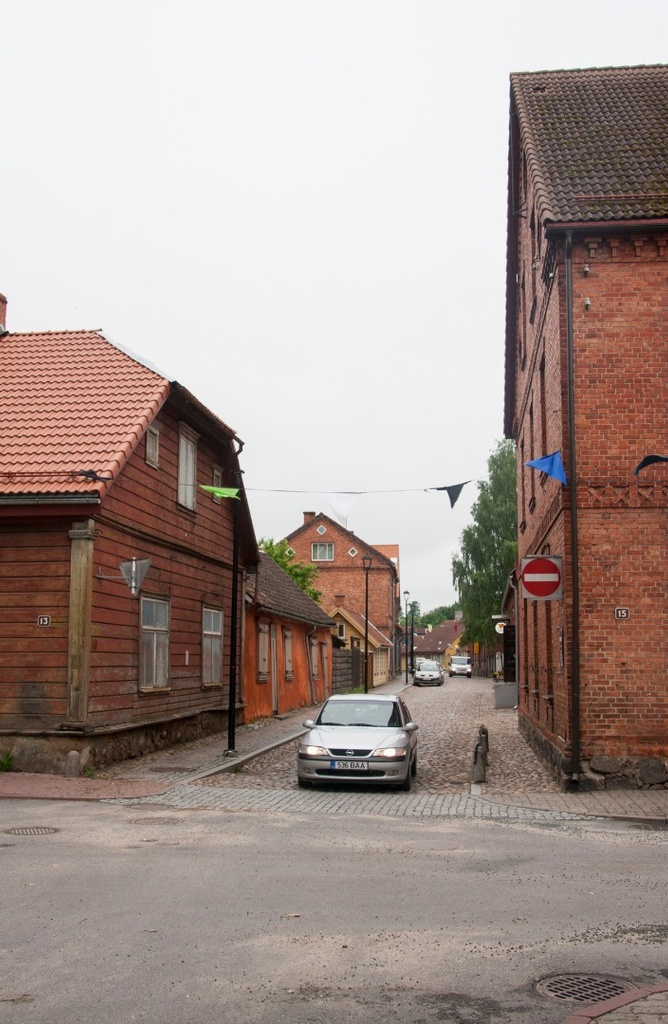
x=321, y=552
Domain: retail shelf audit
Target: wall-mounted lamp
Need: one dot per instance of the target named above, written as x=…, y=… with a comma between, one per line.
x=133, y=572
x=587, y=303
x=585, y=269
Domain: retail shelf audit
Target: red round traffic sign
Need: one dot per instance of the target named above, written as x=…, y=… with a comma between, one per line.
x=541, y=577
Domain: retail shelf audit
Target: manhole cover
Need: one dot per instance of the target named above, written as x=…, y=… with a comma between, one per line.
x=582, y=988
x=38, y=830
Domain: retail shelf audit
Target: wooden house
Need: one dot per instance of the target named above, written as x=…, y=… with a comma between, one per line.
x=287, y=645
x=116, y=567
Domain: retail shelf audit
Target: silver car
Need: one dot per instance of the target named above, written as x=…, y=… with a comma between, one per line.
x=429, y=673
x=368, y=738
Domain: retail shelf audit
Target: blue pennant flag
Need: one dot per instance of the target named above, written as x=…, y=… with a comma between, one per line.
x=550, y=464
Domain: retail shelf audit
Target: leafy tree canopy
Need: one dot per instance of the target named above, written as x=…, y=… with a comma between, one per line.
x=302, y=573
x=435, y=617
x=488, y=546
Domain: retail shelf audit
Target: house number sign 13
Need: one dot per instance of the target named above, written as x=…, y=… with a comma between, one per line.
x=622, y=613
x=43, y=620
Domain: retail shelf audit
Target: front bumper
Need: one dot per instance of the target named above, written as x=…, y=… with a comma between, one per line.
x=378, y=771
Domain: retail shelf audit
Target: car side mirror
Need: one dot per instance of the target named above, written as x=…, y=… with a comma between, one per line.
x=411, y=727
x=309, y=723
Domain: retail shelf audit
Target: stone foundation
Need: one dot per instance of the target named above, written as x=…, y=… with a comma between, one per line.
x=48, y=751
x=601, y=772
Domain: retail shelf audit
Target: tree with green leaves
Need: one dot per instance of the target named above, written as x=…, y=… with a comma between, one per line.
x=302, y=573
x=488, y=550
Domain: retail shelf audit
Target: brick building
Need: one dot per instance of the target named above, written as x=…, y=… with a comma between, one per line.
x=587, y=376
x=338, y=553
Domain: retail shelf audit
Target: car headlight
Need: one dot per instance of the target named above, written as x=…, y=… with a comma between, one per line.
x=309, y=750
x=390, y=752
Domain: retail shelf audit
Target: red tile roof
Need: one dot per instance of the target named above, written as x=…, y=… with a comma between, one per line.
x=596, y=141
x=71, y=401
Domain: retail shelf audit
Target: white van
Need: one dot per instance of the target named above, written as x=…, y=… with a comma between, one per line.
x=460, y=665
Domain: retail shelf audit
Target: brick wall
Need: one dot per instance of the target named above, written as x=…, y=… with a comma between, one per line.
x=620, y=318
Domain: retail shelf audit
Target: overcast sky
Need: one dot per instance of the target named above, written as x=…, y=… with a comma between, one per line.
x=295, y=208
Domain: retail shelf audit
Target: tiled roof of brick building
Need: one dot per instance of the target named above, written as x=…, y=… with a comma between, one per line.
x=73, y=401
x=274, y=591
x=596, y=141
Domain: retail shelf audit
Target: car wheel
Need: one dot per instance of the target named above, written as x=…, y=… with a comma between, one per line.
x=414, y=767
x=405, y=786
x=415, y=683
x=303, y=784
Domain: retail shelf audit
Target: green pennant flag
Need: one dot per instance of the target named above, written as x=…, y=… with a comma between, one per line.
x=222, y=492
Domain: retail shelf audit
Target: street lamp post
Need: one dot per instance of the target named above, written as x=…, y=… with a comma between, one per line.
x=412, y=636
x=366, y=559
x=406, y=596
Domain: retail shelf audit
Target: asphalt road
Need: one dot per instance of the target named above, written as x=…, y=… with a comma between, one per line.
x=137, y=913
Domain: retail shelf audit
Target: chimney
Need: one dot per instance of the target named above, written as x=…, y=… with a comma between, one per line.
x=3, y=315
x=308, y=517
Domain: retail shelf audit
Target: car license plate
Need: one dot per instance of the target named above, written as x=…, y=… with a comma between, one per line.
x=350, y=765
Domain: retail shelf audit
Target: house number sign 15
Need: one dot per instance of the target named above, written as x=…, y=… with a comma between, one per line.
x=622, y=613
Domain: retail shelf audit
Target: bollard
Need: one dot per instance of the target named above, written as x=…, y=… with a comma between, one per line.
x=478, y=765
x=72, y=766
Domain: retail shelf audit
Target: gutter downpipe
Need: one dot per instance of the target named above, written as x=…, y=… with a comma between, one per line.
x=575, y=625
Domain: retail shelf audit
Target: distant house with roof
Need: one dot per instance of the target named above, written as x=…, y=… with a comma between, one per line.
x=116, y=568
x=440, y=642
x=586, y=381
x=342, y=578
x=352, y=633
x=287, y=645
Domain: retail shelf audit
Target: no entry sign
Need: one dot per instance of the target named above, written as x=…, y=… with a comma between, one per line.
x=541, y=578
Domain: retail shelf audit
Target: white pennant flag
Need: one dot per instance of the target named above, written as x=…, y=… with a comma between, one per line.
x=342, y=502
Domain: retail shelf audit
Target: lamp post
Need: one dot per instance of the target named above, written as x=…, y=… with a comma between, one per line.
x=406, y=596
x=366, y=560
x=412, y=637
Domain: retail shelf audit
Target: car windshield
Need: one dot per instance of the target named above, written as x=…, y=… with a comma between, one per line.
x=460, y=661
x=428, y=666
x=374, y=713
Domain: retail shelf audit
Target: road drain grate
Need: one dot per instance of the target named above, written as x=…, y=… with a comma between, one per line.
x=582, y=988
x=156, y=821
x=38, y=830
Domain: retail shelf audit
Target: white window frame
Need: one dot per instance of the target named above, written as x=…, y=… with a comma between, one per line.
x=153, y=446
x=187, y=480
x=154, y=644
x=287, y=654
x=263, y=652
x=217, y=481
x=341, y=630
x=315, y=660
x=317, y=554
x=212, y=646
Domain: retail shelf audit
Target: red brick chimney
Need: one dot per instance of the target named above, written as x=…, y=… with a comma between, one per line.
x=308, y=517
x=3, y=313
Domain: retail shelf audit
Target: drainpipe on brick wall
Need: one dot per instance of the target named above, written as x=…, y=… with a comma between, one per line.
x=575, y=624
